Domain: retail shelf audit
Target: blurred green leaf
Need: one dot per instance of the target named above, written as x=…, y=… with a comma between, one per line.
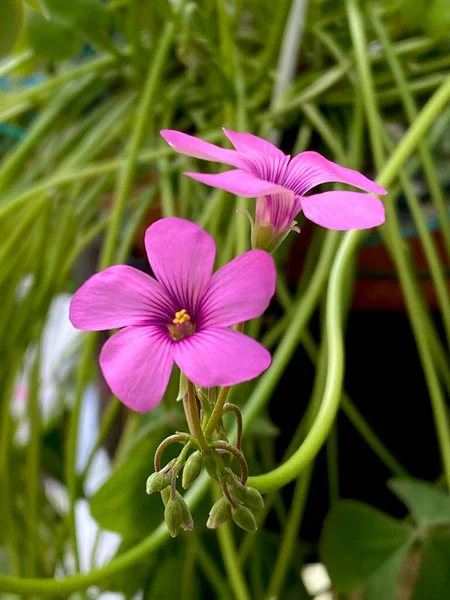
x=167, y=582
x=121, y=504
x=437, y=20
x=383, y=582
x=88, y=17
x=357, y=540
x=11, y=23
x=50, y=38
x=34, y=4
x=414, y=11
x=427, y=505
x=434, y=577
x=262, y=426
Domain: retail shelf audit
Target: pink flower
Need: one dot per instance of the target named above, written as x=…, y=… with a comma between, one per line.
x=280, y=183
x=183, y=316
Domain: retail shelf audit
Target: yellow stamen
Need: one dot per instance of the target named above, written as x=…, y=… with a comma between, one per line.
x=181, y=317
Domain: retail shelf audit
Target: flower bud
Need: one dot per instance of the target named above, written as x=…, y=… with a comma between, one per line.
x=173, y=515
x=165, y=495
x=157, y=482
x=211, y=467
x=244, y=517
x=220, y=513
x=253, y=499
x=238, y=493
x=187, y=522
x=192, y=469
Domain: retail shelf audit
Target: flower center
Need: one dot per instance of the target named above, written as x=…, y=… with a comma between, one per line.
x=181, y=325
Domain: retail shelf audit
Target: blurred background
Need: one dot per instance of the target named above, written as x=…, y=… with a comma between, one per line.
x=85, y=87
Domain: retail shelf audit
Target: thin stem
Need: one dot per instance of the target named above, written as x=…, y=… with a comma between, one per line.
x=217, y=412
x=221, y=445
x=290, y=534
x=33, y=463
x=176, y=438
x=228, y=407
x=144, y=113
x=193, y=417
x=210, y=570
x=230, y=559
x=393, y=235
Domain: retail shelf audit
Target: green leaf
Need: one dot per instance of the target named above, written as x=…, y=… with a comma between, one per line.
x=11, y=23
x=434, y=577
x=262, y=426
x=427, y=505
x=88, y=17
x=34, y=4
x=167, y=582
x=121, y=504
x=383, y=582
x=49, y=38
x=356, y=540
x=437, y=20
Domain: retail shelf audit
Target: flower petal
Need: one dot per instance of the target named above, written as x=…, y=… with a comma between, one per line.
x=117, y=297
x=278, y=210
x=136, y=363
x=239, y=183
x=181, y=255
x=239, y=291
x=244, y=142
x=344, y=210
x=220, y=357
x=192, y=146
x=308, y=169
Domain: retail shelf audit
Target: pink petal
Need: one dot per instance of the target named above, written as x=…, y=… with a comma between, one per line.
x=136, y=363
x=117, y=297
x=239, y=291
x=220, y=357
x=239, y=183
x=308, y=169
x=181, y=255
x=244, y=142
x=344, y=210
x=192, y=146
x=278, y=210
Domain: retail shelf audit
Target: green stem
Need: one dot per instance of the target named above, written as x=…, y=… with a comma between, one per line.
x=33, y=465
x=230, y=559
x=290, y=535
x=217, y=412
x=144, y=113
x=193, y=417
x=393, y=234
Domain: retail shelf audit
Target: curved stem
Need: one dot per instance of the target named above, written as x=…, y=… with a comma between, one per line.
x=220, y=445
x=181, y=438
x=228, y=407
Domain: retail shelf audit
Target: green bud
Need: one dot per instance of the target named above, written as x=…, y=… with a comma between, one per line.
x=253, y=499
x=192, y=469
x=165, y=495
x=220, y=513
x=187, y=522
x=239, y=494
x=157, y=482
x=173, y=515
x=211, y=467
x=244, y=517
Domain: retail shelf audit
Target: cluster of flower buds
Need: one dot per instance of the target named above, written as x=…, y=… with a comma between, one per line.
x=214, y=455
